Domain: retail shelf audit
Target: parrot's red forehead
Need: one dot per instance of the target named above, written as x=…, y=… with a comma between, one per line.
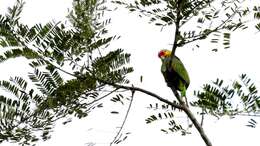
x=161, y=53
x=164, y=53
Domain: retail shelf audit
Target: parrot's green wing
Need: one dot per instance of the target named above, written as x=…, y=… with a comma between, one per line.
x=179, y=68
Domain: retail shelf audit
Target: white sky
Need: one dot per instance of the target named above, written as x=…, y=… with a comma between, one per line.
x=144, y=41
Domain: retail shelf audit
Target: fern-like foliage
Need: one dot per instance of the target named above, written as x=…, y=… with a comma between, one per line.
x=257, y=16
x=110, y=68
x=204, y=18
x=50, y=49
x=19, y=116
x=238, y=98
x=165, y=112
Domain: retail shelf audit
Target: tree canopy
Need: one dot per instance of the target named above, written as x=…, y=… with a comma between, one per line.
x=81, y=49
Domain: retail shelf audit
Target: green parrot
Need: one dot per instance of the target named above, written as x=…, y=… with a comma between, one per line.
x=174, y=72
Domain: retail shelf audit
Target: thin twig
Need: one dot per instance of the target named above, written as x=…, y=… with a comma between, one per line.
x=244, y=114
x=102, y=97
x=202, y=118
x=127, y=113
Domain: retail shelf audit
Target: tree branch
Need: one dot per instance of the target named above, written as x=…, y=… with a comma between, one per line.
x=132, y=88
x=206, y=34
x=192, y=117
x=185, y=108
x=177, y=26
x=182, y=106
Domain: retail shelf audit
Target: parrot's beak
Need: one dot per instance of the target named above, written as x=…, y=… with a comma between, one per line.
x=162, y=57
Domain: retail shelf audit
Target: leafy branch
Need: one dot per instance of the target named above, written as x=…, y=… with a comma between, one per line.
x=240, y=98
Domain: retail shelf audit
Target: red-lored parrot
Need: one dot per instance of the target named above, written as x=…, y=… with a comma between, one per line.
x=174, y=72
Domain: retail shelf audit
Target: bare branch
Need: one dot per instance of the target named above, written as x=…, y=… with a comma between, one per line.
x=132, y=88
x=202, y=118
x=192, y=117
x=127, y=113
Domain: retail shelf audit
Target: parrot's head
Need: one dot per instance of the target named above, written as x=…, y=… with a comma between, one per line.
x=164, y=53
